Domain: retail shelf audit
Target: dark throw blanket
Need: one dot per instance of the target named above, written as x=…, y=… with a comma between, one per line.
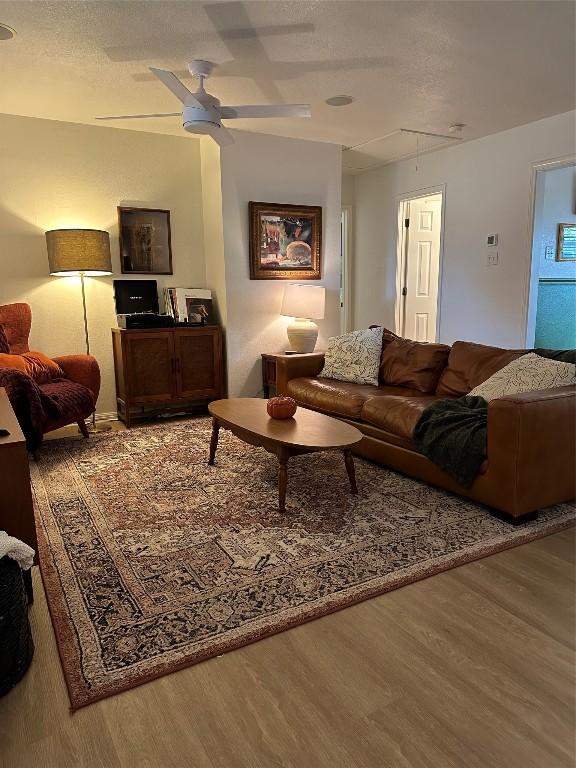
x=453, y=434
x=563, y=355
x=32, y=407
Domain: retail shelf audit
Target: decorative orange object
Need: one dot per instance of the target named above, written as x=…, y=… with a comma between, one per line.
x=281, y=407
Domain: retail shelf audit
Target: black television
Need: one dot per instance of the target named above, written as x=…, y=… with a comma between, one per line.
x=132, y=296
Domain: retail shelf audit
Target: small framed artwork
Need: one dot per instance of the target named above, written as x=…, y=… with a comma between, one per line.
x=199, y=309
x=285, y=241
x=566, y=247
x=145, y=241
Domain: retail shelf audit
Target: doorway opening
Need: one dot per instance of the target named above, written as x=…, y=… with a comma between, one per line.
x=419, y=262
x=345, y=269
x=551, y=295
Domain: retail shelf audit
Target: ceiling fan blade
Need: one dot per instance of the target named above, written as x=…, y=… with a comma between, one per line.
x=178, y=89
x=137, y=117
x=267, y=110
x=220, y=135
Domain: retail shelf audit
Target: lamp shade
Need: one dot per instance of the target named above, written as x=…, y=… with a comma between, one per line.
x=79, y=251
x=304, y=301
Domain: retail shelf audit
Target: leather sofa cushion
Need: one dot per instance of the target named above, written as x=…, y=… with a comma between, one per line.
x=396, y=414
x=470, y=364
x=341, y=398
x=413, y=364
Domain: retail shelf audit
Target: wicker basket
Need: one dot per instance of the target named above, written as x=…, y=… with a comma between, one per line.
x=16, y=645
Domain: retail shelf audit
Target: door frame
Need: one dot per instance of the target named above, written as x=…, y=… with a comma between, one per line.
x=346, y=225
x=530, y=297
x=401, y=246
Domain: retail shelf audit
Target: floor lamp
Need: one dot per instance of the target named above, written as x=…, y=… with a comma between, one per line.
x=84, y=252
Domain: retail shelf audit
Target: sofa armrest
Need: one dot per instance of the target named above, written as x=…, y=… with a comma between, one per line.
x=82, y=369
x=296, y=366
x=532, y=447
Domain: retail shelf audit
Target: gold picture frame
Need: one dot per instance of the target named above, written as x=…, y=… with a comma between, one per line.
x=285, y=241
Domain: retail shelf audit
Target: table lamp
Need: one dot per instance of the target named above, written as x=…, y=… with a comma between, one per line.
x=304, y=303
x=84, y=252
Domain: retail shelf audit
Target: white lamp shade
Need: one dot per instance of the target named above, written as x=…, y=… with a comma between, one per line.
x=304, y=301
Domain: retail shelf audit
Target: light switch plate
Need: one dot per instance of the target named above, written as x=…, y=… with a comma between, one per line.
x=549, y=253
x=492, y=257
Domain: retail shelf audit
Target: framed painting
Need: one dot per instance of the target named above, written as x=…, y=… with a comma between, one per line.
x=566, y=247
x=145, y=241
x=285, y=241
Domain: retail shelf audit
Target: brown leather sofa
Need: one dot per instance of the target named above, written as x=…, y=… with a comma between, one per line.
x=531, y=454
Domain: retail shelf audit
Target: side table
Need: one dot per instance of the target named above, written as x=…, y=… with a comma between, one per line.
x=269, y=370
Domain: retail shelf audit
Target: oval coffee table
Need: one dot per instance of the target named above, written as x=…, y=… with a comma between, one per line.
x=306, y=432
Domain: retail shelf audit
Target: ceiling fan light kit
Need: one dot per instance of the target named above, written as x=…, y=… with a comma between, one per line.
x=202, y=113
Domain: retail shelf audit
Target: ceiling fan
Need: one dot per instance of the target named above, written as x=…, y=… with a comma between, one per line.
x=203, y=113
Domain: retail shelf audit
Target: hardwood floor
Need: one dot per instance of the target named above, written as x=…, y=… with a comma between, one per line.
x=473, y=668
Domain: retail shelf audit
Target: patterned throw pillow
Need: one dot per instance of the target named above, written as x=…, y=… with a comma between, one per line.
x=526, y=374
x=354, y=357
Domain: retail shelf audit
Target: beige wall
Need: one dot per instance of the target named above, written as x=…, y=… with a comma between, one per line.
x=56, y=174
x=276, y=170
x=67, y=175
x=213, y=229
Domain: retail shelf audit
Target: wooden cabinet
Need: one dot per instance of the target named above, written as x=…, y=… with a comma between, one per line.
x=149, y=366
x=197, y=355
x=166, y=369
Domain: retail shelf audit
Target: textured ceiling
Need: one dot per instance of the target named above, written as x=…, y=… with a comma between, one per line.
x=408, y=64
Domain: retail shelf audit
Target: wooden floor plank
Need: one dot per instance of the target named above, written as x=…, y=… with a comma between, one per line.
x=473, y=667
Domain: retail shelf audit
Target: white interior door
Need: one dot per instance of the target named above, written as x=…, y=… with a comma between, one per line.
x=422, y=268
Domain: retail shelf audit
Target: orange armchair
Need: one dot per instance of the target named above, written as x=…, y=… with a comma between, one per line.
x=81, y=371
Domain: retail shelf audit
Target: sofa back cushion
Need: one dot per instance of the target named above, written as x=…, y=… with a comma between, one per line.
x=470, y=364
x=413, y=364
x=387, y=338
x=35, y=364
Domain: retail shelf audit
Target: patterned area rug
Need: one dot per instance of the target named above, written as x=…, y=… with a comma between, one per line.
x=153, y=560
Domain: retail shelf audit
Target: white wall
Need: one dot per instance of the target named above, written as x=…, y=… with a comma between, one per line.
x=558, y=200
x=55, y=174
x=488, y=188
x=276, y=170
x=554, y=200
x=348, y=190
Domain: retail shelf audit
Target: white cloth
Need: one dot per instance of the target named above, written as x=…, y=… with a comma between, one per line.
x=17, y=550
